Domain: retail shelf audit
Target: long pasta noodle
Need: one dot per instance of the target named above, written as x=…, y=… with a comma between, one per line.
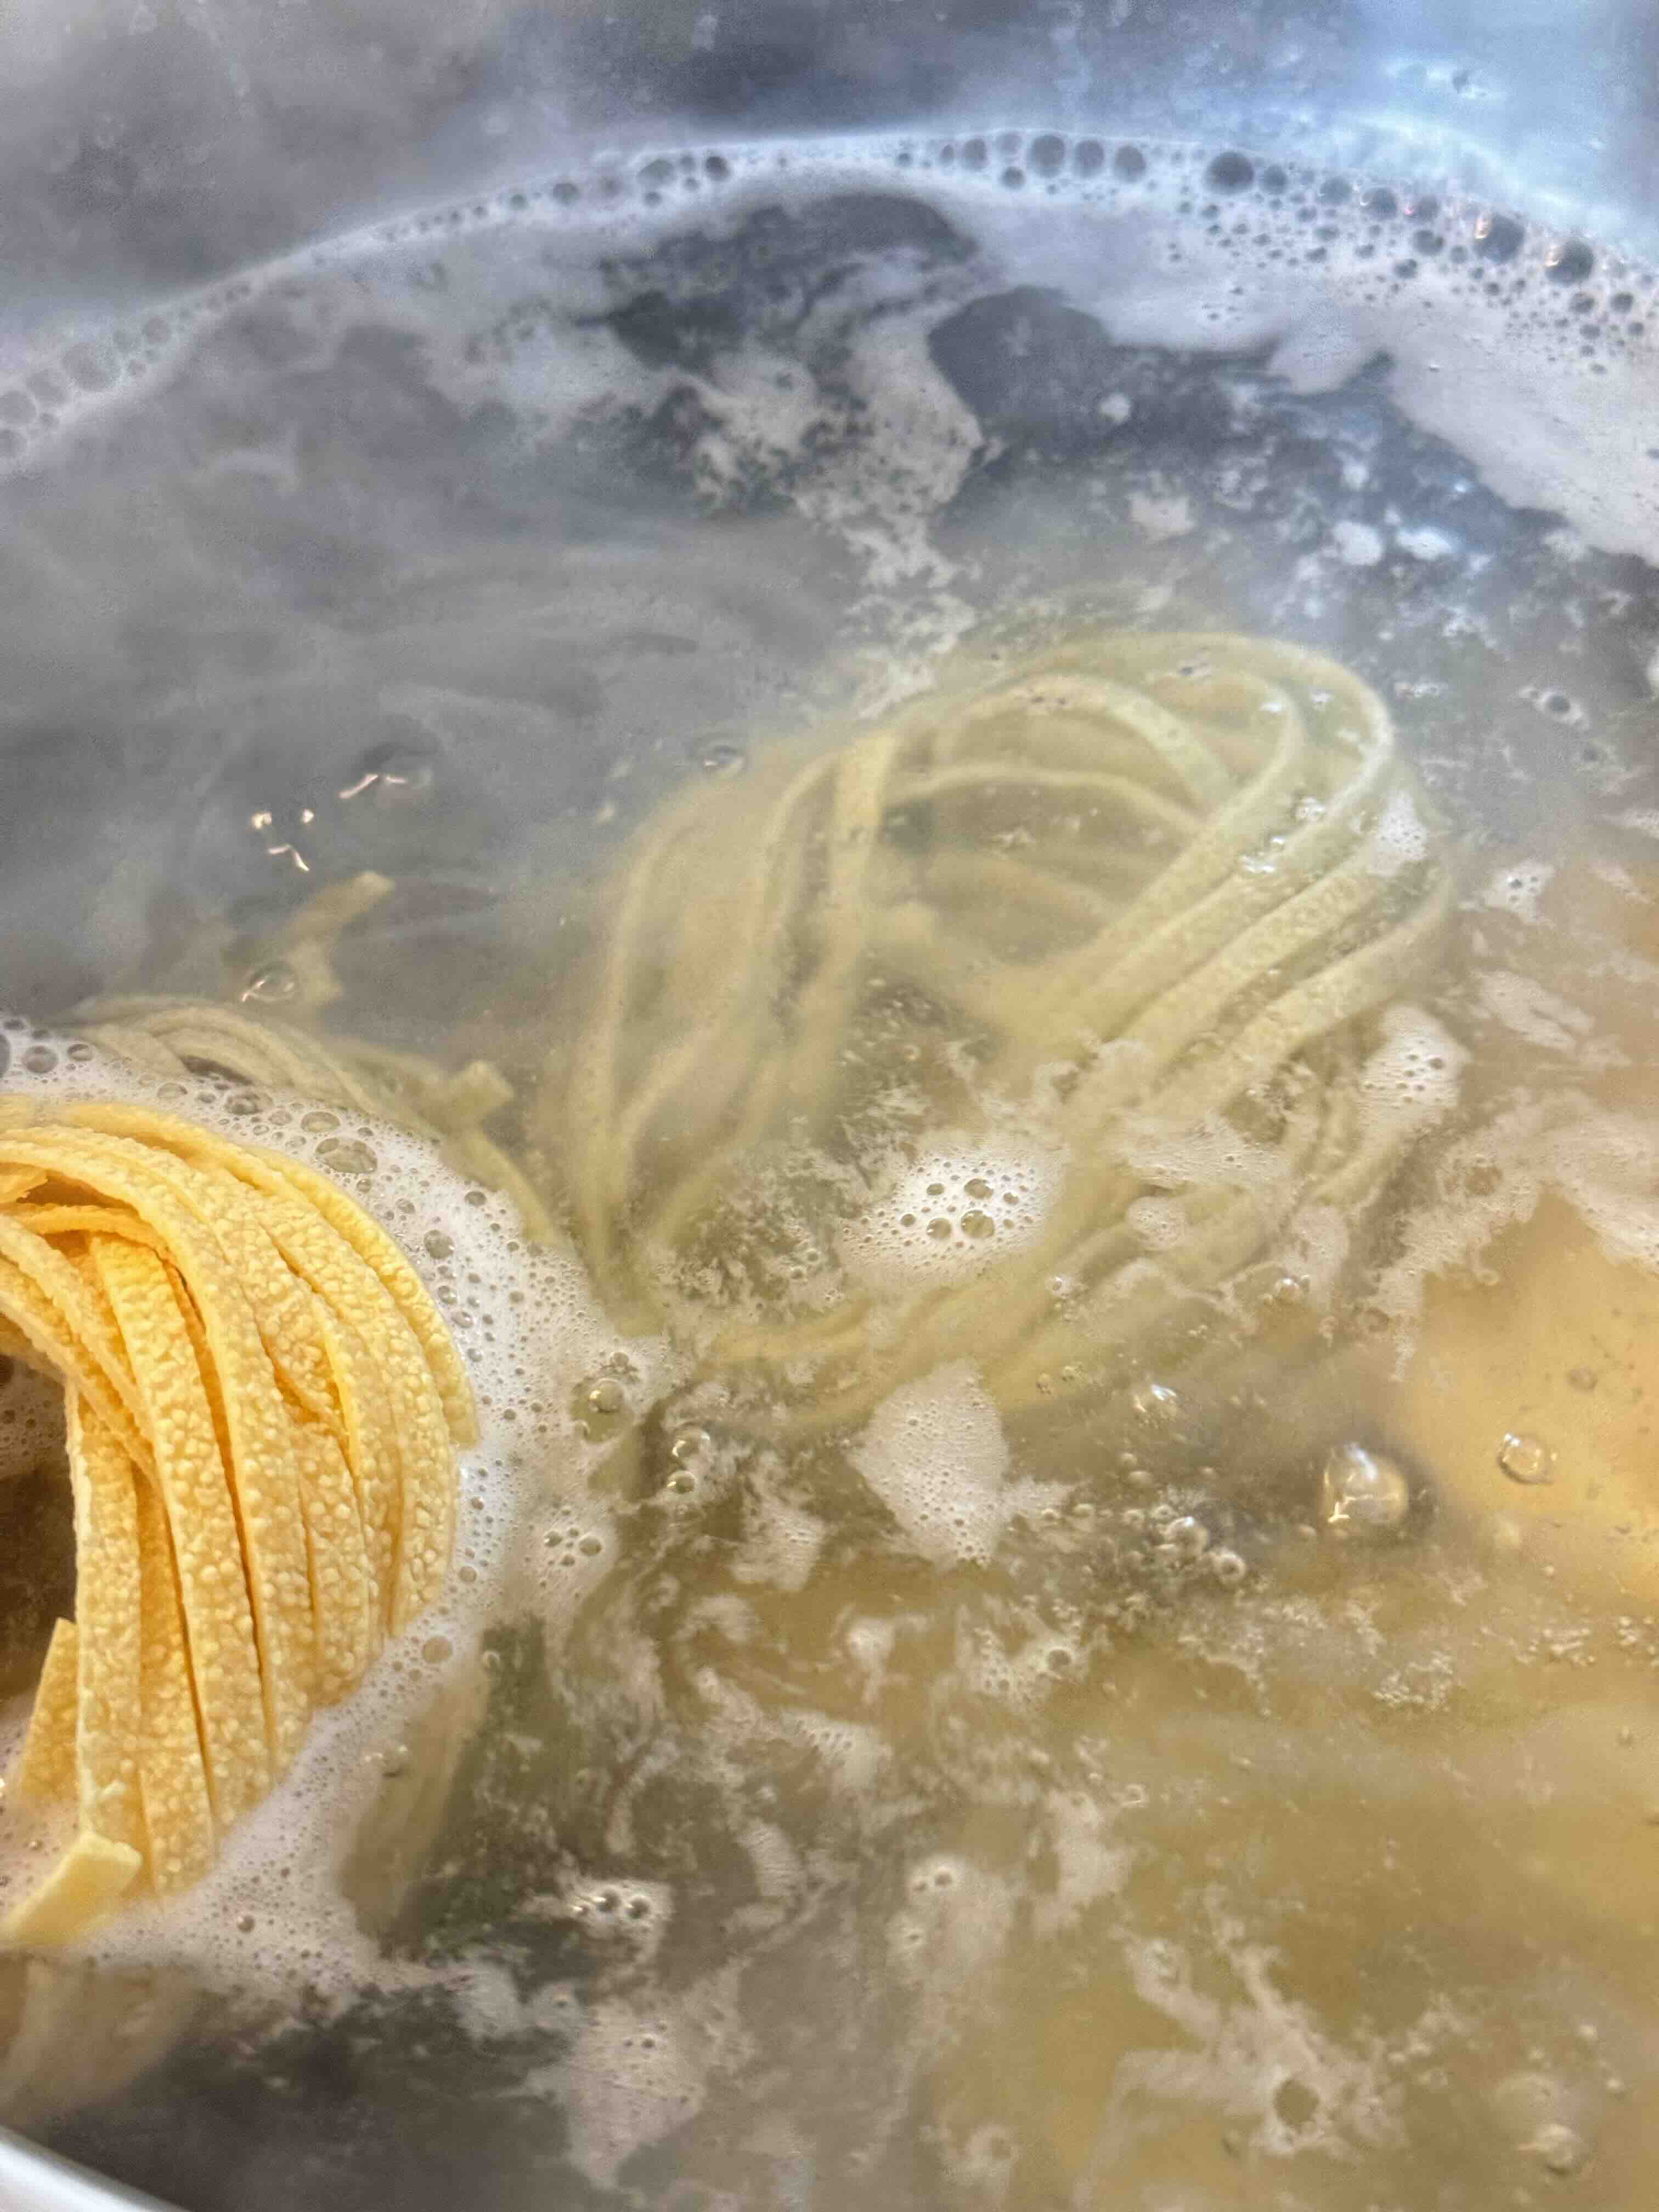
x=1148, y=879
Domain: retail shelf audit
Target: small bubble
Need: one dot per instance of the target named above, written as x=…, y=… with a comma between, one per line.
x=436, y=1650
x=940, y=1230
x=1362, y=1493
x=1228, y=1568
x=688, y=1445
x=269, y=985
x=348, y=1156
x=1188, y=1536
x=1155, y=1401
x=1569, y=263
x=978, y=1224
x=319, y=1122
x=437, y=1244
x=39, y=1060
x=722, y=759
x=1524, y=1459
x=92, y=366
x=1498, y=237
x=1229, y=172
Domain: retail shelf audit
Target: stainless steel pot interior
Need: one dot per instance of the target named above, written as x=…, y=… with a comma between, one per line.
x=146, y=149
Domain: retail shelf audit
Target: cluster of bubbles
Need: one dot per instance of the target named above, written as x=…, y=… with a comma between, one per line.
x=1411, y=1079
x=1579, y=300
x=637, y=1909
x=935, y=1455
x=1175, y=1536
x=952, y=1213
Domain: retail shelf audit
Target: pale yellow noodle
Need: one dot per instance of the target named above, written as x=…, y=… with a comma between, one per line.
x=1143, y=862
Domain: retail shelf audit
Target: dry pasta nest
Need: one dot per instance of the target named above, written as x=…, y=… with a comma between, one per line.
x=263, y=1409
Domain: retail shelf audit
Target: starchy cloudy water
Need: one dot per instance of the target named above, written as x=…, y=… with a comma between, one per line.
x=1238, y=1781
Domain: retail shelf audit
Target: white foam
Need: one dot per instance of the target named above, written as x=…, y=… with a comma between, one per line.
x=1542, y=1016
x=1607, y=1166
x=781, y=1542
x=1359, y=545
x=1401, y=838
x=1089, y=1863
x=1534, y=363
x=934, y=1454
x=530, y=1329
x=1426, y=543
x=962, y=1206
x=1518, y=888
x=1411, y=1080
x=1242, y=2045
x=634, y=2077
x=957, y=1918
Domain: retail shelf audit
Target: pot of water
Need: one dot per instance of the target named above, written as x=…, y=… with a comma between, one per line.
x=924, y=739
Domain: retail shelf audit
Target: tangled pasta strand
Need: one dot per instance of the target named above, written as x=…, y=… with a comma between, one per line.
x=1152, y=879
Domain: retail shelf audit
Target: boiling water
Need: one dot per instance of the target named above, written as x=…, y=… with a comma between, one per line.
x=1236, y=1790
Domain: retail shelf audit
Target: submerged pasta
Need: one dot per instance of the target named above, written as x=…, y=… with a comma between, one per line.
x=1151, y=898
x=1143, y=883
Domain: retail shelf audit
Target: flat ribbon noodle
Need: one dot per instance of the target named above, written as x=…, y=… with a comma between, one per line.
x=263, y=1414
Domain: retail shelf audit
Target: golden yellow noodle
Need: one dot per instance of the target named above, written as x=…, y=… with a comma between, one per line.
x=264, y=1408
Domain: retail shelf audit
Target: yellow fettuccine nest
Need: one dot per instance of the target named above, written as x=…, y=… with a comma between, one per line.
x=264, y=1410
